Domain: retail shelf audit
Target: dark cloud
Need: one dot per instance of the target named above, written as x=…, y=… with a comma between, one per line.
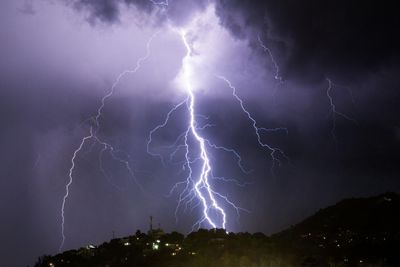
x=108, y=11
x=103, y=10
x=55, y=71
x=344, y=39
x=27, y=8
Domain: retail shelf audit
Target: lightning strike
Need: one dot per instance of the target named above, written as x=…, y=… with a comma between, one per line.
x=120, y=76
x=203, y=180
x=96, y=140
x=334, y=113
x=115, y=157
x=198, y=187
x=70, y=180
x=158, y=127
x=271, y=56
x=275, y=152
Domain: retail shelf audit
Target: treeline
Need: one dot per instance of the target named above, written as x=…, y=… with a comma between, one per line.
x=204, y=248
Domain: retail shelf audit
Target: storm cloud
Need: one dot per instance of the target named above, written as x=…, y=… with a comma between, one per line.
x=345, y=40
x=60, y=57
x=109, y=11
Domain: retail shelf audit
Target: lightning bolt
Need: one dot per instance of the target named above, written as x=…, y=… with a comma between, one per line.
x=334, y=113
x=158, y=127
x=275, y=152
x=198, y=187
x=115, y=157
x=268, y=51
x=203, y=179
x=96, y=140
x=70, y=180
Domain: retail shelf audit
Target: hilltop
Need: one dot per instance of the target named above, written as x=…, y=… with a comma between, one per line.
x=354, y=232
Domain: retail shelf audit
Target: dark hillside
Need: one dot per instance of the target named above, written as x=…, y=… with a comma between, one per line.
x=354, y=232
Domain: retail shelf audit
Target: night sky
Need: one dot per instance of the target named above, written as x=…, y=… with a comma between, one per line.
x=59, y=58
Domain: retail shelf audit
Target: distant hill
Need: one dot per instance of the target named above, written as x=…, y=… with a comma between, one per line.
x=354, y=232
x=378, y=215
x=362, y=228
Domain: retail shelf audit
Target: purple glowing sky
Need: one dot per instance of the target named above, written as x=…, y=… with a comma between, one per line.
x=60, y=58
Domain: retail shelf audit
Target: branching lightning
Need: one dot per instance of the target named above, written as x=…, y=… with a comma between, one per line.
x=333, y=111
x=93, y=136
x=275, y=152
x=198, y=188
x=158, y=127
